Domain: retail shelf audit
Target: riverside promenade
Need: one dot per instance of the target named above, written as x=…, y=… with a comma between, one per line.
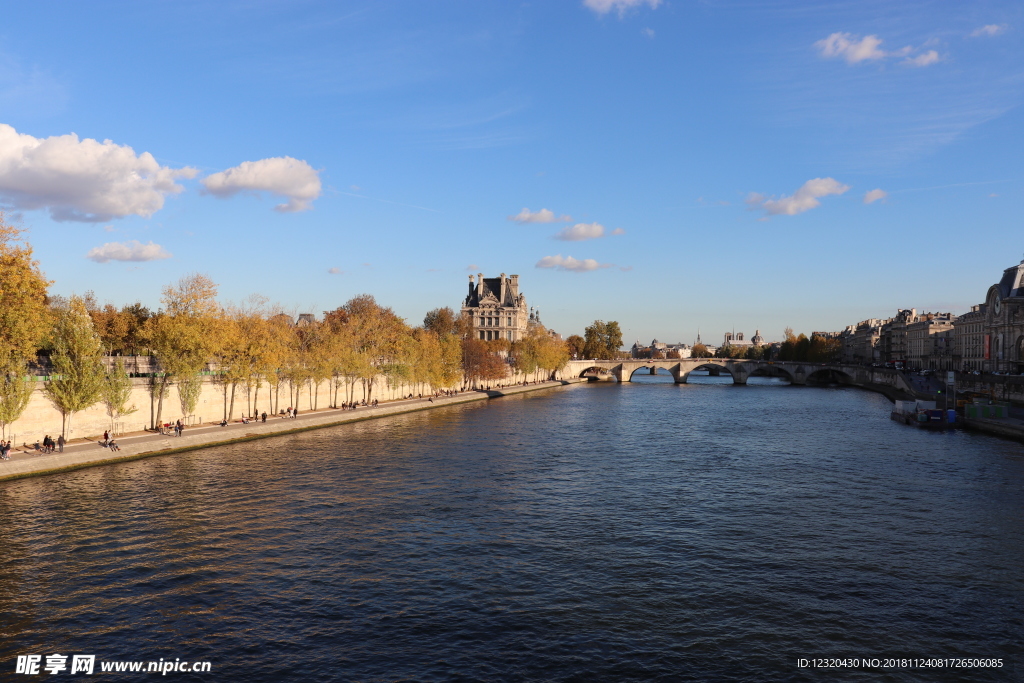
x=82, y=453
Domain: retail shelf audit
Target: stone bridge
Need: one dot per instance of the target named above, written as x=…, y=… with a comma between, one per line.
x=741, y=370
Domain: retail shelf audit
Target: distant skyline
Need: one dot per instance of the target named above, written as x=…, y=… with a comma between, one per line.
x=671, y=165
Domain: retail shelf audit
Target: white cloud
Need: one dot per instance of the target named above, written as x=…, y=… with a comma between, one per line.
x=618, y=231
x=923, y=59
x=874, y=195
x=132, y=250
x=82, y=180
x=804, y=199
x=855, y=49
x=847, y=46
x=283, y=176
x=542, y=216
x=335, y=271
x=571, y=264
x=989, y=30
x=621, y=6
x=472, y=266
x=649, y=32
x=581, y=231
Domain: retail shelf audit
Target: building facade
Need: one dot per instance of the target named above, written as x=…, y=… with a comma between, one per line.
x=495, y=309
x=1003, y=349
x=659, y=349
x=969, y=340
x=930, y=342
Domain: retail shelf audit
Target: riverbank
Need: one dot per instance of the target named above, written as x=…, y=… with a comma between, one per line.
x=78, y=454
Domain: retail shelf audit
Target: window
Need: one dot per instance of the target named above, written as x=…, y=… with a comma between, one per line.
x=482, y=334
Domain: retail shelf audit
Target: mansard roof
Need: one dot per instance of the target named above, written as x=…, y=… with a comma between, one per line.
x=1012, y=283
x=489, y=290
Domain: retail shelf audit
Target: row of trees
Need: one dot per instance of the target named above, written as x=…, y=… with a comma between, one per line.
x=253, y=351
x=817, y=349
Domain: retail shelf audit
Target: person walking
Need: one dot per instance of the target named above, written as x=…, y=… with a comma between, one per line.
x=60, y=443
x=263, y=416
x=295, y=413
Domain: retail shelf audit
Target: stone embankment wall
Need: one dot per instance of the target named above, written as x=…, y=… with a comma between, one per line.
x=1003, y=388
x=41, y=418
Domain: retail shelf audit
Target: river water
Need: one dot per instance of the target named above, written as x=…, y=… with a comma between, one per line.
x=602, y=532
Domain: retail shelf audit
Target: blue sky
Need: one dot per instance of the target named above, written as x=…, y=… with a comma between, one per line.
x=707, y=164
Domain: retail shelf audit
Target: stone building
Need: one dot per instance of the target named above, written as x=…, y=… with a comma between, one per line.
x=969, y=340
x=659, y=349
x=495, y=309
x=894, y=335
x=1004, y=323
x=862, y=342
x=736, y=339
x=930, y=342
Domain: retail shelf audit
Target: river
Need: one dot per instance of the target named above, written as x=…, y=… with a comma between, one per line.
x=603, y=532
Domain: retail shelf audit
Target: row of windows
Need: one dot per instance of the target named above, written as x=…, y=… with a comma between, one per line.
x=492, y=321
x=486, y=335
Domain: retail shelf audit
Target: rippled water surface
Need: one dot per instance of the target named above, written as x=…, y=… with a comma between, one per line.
x=595, y=533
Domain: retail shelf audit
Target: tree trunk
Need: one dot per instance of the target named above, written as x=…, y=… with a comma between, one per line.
x=231, y=408
x=160, y=400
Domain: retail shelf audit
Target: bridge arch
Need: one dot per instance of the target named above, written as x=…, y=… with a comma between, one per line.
x=714, y=367
x=595, y=371
x=829, y=375
x=772, y=370
x=648, y=368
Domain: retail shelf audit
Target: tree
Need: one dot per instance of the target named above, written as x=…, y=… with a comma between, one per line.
x=480, y=363
x=575, y=345
x=24, y=316
x=602, y=340
x=15, y=393
x=378, y=334
x=824, y=349
x=78, y=374
x=185, y=335
x=700, y=351
x=115, y=394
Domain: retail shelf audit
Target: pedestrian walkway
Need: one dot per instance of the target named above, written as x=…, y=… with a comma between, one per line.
x=90, y=451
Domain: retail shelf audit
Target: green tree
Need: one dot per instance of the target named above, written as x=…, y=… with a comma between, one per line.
x=15, y=393
x=78, y=374
x=116, y=392
x=602, y=340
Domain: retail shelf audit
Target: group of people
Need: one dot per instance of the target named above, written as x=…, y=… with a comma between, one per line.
x=5, y=450
x=49, y=445
x=290, y=414
x=355, y=404
x=109, y=442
